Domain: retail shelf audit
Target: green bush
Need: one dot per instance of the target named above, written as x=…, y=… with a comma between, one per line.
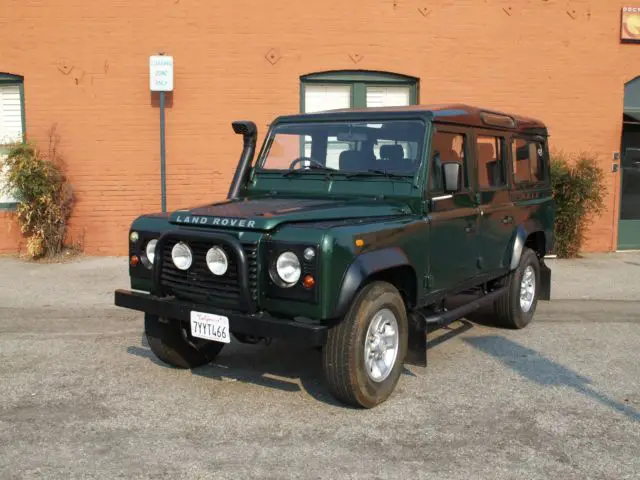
x=579, y=191
x=45, y=199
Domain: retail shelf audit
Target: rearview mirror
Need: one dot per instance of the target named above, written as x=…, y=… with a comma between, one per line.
x=451, y=173
x=351, y=137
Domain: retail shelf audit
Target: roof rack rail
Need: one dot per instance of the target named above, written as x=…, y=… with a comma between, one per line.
x=497, y=119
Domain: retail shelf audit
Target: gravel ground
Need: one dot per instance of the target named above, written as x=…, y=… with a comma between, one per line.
x=82, y=395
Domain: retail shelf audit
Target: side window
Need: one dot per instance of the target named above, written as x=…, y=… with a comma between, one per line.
x=528, y=161
x=447, y=147
x=490, y=158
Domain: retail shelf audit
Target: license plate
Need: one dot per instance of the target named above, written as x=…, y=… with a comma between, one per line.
x=210, y=326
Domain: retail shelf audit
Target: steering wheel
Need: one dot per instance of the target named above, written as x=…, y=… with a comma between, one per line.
x=302, y=159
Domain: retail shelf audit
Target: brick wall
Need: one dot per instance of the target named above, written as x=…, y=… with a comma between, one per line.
x=10, y=240
x=86, y=68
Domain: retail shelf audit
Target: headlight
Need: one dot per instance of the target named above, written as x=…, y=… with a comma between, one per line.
x=217, y=261
x=181, y=256
x=287, y=269
x=134, y=237
x=150, y=250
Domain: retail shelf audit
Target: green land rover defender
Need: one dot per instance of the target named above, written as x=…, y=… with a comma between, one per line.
x=352, y=232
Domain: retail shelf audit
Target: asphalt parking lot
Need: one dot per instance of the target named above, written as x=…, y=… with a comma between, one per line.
x=82, y=395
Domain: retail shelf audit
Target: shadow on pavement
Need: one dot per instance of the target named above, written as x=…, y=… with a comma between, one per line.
x=281, y=365
x=532, y=366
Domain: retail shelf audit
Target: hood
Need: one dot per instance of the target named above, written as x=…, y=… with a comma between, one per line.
x=269, y=213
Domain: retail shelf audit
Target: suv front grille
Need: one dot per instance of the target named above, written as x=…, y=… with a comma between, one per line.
x=251, y=252
x=198, y=284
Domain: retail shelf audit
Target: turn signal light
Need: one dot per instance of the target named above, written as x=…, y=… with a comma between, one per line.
x=359, y=242
x=308, y=281
x=135, y=260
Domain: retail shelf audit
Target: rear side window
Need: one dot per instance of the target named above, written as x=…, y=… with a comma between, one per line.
x=528, y=161
x=447, y=147
x=491, y=165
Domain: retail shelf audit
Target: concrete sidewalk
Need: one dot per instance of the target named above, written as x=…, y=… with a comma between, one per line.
x=602, y=276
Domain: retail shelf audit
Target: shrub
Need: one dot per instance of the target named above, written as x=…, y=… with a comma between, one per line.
x=45, y=199
x=579, y=190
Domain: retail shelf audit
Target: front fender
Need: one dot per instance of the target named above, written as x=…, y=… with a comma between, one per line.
x=360, y=269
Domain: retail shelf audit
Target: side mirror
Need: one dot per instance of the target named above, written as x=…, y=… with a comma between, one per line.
x=452, y=175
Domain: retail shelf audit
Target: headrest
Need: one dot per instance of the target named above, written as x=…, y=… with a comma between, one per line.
x=392, y=152
x=350, y=160
x=522, y=153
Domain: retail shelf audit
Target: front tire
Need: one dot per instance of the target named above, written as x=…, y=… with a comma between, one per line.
x=516, y=308
x=364, y=354
x=170, y=341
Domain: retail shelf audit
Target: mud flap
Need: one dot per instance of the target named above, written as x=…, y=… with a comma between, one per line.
x=417, y=342
x=545, y=282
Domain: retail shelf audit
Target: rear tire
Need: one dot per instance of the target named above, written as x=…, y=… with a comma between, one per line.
x=364, y=354
x=516, y=308
x=171, y=341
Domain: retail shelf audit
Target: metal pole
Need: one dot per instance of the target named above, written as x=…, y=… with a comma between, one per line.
x=163, y=186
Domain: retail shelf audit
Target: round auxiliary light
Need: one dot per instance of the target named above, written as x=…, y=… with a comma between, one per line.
x=150, y=250
x=217, y=261
x=181, y=256
x=309, y=254
x=288, y=268
x=134, y=237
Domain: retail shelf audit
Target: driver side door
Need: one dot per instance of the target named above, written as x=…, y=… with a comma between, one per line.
x=453, y=217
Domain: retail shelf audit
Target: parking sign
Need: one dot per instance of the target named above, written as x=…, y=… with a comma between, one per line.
x=161, y=73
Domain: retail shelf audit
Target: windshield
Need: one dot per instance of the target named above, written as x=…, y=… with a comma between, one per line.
x=390, y=146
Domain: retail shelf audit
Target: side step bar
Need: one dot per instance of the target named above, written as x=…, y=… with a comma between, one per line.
x=445, y=318
x=418, y=323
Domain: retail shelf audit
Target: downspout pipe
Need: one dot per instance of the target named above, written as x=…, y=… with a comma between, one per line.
x=249, y=133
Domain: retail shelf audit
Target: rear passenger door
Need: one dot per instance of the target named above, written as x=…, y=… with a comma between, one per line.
x=453, y=218
x=497, y=219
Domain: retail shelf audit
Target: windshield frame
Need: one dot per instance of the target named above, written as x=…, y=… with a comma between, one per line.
x=340, y=174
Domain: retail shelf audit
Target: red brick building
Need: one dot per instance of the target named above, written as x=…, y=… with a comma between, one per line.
x=85, y=67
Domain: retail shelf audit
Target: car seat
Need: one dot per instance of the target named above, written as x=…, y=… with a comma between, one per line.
x=393, y=158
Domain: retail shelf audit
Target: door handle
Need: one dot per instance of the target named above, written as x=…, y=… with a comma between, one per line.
x=507, y=219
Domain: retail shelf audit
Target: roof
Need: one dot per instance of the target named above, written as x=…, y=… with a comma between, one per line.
x=455, y=113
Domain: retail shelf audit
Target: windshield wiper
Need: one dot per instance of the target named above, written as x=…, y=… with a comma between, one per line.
x=298, y=171
x=374, y=172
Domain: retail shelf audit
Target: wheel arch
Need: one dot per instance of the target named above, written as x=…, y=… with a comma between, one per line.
x=531, y=235
x=387, y=264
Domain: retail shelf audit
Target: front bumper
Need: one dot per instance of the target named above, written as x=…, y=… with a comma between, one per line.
x=260, y=325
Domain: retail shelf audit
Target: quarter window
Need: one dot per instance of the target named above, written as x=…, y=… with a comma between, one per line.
x=490, y=158
x=447, y=147
x=528, y=161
